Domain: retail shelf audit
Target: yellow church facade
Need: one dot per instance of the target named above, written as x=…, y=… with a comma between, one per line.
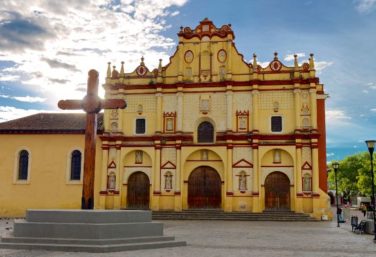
x=206, y=131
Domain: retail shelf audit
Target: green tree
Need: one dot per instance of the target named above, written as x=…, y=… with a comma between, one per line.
x=353, y=176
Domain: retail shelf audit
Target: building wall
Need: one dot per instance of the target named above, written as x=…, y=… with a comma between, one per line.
x=48, y=184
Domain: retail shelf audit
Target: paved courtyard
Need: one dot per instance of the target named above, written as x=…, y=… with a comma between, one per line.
x=241, y=238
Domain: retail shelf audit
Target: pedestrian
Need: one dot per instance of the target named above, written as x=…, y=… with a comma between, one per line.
x=363, y=209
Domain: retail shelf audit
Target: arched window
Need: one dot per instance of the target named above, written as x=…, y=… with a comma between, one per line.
x=75, y=173
x=205, y=132
x=23, y=165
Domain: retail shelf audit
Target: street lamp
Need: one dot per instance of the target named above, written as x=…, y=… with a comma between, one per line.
x=335, y=166
x=371, y=147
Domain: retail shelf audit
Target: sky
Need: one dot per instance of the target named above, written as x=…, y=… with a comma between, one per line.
x=47, y=48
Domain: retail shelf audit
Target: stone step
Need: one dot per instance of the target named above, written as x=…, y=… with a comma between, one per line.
x=24, y=228
x=221, y=215
x=65, y=241
x=93, y=248
x=88, y=216
x=89, y=231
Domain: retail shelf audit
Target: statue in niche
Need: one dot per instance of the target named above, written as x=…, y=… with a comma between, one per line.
x=138, y=157
x=242, y=181
x=111, y=182
x=204, y=105
x=168, y=181
x=114, y=126
x=277, y=156
x=305, y=108
x=114, y=114
x=204, y=155
x=307, y=183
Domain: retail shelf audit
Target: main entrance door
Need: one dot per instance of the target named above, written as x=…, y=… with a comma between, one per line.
x=204, y=188
x=277, y=191
x=138, y=192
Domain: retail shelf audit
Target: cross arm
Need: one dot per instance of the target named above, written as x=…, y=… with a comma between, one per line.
x=70, y=104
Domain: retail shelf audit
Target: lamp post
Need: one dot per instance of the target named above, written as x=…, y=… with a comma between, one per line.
x=371, y=147
x=335, y=166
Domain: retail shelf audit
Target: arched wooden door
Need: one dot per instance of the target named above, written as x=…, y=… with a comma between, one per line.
x=277, y=192
x=204, y=188
x=138, y=191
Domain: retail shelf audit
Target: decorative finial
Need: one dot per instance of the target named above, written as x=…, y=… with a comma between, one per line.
x=160, y=64
x=122, y=69
x=311, y=62
x=181, y=28
x=296, y=61
x=109, y=70
x=275, y=55
x=254, y=64
x=142, y=61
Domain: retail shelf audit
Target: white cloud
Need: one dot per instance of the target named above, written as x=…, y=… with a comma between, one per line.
x=336, y=117
x=330, y=154
x=290, y=57
x=26, y=99
x=11, y=113
x=5, y=77
x=365, y=6
x=322, y=65
x=79, y=36
x=373, y=110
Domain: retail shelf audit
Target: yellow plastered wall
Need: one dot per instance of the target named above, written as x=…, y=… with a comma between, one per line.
x=48, y=185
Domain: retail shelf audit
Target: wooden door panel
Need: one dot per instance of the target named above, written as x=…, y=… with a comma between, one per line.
x=138, y=193
x=204, y=188
x=277, y=191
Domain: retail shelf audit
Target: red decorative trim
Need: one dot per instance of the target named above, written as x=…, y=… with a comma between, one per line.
x=220, y=84
x=255, y=193
x=137, y=166
x=315, y=194
x=156, y=192
x=166, y=116
x=239, y=115
x=246, y=164
x=306, y=166
x=168, y=163
x=199, y=31
x=299, y=194
x=203, y=160
x=103, y=192
x=221, y=50
x=277, y=166
x=177, y=193
x=229, y=193
x=112, y=165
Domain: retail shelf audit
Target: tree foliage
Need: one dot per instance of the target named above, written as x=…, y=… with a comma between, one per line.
x=353, y=175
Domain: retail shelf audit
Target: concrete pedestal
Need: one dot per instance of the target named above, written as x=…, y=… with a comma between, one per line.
x=88, y=231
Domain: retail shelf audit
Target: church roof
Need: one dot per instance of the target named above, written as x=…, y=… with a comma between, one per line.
x=49, y=123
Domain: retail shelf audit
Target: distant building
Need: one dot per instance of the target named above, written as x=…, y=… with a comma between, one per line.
x=208, y=130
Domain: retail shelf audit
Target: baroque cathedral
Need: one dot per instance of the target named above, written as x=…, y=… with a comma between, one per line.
x=207, y=130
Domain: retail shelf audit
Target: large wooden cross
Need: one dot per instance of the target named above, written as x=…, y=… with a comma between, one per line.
x=92, y=105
